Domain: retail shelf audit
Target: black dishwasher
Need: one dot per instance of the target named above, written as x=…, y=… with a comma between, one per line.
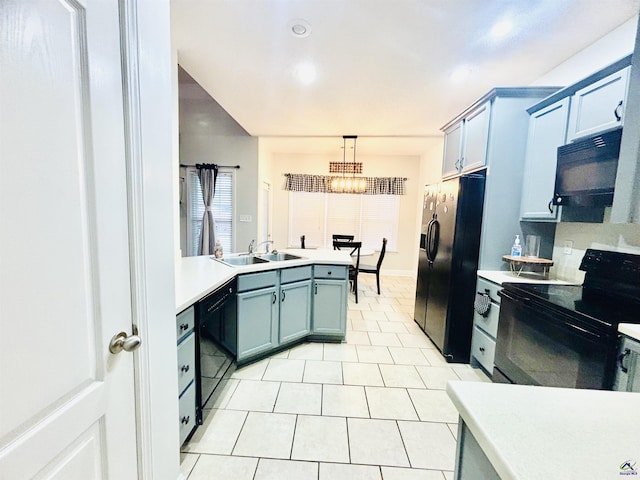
x=216, y=342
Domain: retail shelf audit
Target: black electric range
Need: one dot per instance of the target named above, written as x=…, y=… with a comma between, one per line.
x=566, y=335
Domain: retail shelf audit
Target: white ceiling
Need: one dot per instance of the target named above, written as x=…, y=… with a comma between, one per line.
x=383, y=67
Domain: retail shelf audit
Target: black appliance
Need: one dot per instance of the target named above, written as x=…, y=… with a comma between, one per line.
x=215, y=342
x=566, y=335
x=448, y=262
x=586, y=171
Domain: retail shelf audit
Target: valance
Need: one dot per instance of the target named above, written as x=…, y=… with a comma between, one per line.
x=302, y=182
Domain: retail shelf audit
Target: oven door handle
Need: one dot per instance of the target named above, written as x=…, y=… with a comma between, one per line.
x=582, y=330
x=505, y=295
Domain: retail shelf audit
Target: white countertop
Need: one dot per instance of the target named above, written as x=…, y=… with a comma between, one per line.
x=198, y=276
x=502, y=276
x=551, y=433
x=631, y=330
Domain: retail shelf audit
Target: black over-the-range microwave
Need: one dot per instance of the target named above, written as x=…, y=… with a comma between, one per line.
x=586, y=171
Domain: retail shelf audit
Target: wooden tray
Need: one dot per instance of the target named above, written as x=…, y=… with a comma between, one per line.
x=517, y=264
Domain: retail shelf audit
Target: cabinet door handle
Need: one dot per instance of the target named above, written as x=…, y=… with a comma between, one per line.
x=482, y=349
x=618, y=111
x=550, y=206
x=274, y=298
x=316, y=289
x=621, y=357
x=184, y=326
x=284, y=294
x=185, y=420
x=185, y=368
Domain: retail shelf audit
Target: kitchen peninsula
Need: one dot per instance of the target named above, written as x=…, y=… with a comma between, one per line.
x=522, y=432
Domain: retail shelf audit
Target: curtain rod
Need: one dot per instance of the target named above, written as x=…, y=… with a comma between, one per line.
x=219, y=166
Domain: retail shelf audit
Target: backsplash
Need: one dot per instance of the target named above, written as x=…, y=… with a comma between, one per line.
x=601, y=236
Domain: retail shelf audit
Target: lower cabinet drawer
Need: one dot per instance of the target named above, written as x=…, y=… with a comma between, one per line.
x=187, y=409
x=330, y=271
x=186, y=362
x=489, y=323
x=185, y=321
x=483, y=349
x=254, y=281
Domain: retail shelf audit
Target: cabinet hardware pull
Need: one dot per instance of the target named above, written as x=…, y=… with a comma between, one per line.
x=274, y=298
x=284, y=294
x=185, y=420
x=621, y=360
x=482, y=349
x=185, y=368
x=316, y=285
x=550, y=206
x=184, y=326
x=329, y=272
x=618, y=111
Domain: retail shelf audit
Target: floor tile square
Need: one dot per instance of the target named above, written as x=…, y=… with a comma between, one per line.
x=299, y=398
x=408, y=356
x=365, y=325
x=414, y=340
x=253, y=371
x=448, y=475
x=307, y=351
x=187, y=462
x=284, y=370
x=392, y=327
x=386, y=339
x=253, y=395
x=337, y=471
x=390, y=403
x=434, y=406
x=467, y=372
x=358, y=338
x=396, y=473
x=376, y=442
x=354, y=314
x=319, y=371
x=434, y=357
x=437, y=377
x=322, y=439
x=361, y=374
x=404, y=376
x=373, y=354
x=371, y=315
x=340, y=352
x=218, y=434
x=382, y=307
x=429, y=445
x=269, y=469
x=220, y=467
x=344, y=401
x=266, y=435
x=398, y=316
x=222, y=394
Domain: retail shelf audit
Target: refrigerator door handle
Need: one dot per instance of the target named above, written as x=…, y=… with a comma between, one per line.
x=433, y=240
x=427, y=245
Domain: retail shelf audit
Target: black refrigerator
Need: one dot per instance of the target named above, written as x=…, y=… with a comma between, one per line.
x=448, y=262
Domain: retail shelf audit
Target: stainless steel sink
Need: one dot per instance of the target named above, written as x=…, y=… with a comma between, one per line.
x=242, y=260
x=279, y=257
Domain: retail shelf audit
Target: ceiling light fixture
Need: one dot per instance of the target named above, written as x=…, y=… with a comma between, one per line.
x=300, y=28
x=345, y=184
x=306, y=73
x=501, y=29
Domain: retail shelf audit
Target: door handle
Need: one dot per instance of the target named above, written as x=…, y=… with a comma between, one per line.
x=621, y=357
x=550, y=206
x=121, y=341
x=284, y=294
x=274, y=298
x=618, y=111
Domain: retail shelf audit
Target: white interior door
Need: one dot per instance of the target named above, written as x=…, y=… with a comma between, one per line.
x=67, y=406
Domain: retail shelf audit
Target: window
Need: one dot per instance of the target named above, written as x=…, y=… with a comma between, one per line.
x=222, y=210
x=319, y=215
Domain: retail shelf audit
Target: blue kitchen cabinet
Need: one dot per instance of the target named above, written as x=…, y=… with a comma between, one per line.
x=295, y=311
x=330, y=300
x=465, y=144
x=599, y=106
x=547, y=131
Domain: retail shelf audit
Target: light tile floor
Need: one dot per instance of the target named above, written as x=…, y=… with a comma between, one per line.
x=373, y=408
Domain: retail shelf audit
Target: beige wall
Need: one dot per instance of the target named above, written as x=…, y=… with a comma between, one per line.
x=402, y=261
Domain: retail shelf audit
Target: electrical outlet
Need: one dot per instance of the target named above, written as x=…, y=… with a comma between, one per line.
x=568, y=247
x=245, y=218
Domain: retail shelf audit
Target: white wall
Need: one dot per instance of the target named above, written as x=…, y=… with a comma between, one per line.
x=605, y=236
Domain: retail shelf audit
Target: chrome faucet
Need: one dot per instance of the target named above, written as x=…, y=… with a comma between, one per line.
x=267, y=242
x=251, y=246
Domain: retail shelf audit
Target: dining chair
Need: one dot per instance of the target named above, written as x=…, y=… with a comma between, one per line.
x=342, y=238
x=354, y=251
x=376, y=268
x=302, y=241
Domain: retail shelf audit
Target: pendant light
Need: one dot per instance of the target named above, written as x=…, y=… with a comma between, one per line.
x=346, y=184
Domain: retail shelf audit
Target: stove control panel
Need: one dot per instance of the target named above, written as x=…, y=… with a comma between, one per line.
x=623, y=267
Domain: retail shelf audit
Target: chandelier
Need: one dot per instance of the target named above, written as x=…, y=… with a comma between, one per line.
x=345, y=184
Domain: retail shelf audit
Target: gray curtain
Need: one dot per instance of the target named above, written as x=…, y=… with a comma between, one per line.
x=207, y=173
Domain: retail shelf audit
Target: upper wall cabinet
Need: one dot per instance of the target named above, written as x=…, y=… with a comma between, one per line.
x=599, y=106
x=547, y=131
x=592, y=105
x=465, y=145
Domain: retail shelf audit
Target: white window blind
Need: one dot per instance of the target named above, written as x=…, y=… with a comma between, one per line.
x=222, y=210
x=370, y=218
